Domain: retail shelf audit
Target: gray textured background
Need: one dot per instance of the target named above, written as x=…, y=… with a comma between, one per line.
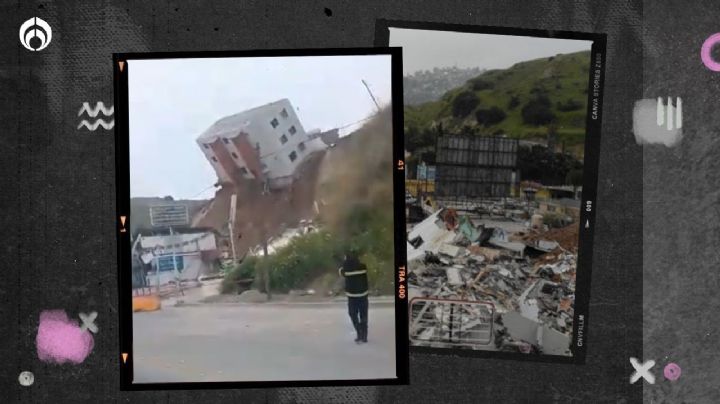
x=58, y=198
x=681, y=221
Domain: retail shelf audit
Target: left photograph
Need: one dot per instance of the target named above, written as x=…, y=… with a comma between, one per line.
x=258, y=233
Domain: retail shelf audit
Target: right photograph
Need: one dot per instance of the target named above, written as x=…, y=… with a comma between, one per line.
x=501, y=145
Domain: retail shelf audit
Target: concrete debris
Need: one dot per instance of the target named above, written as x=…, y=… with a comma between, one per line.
x=450, y=250
x=453, y=275
x=495, y=255
x=489, y=254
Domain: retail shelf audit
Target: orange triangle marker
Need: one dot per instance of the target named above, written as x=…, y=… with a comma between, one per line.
x=124, y=356
x=122, y=220
x=122, y=65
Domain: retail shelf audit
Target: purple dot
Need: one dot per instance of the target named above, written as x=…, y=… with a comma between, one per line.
x=672, y=371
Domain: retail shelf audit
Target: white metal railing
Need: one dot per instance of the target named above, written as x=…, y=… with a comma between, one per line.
x=454, y=322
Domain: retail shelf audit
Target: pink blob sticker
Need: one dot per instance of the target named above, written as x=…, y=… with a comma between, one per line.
x=672, y=371
x=61, y=340
x=705, y=53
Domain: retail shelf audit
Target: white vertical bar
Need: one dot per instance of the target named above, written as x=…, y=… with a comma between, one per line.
x=678, y=113
x=660, y=112
x=669, y=114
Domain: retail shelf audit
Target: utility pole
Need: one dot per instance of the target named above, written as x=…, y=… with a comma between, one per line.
x=231, y=224
x=175, y=267
x=263, y=182
x=266, y=274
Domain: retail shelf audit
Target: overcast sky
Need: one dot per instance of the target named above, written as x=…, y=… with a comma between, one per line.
x=172, y=101
x=426, y=49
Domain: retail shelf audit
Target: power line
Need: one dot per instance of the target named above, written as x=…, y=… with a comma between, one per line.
x=357, y=122
x=211, y=186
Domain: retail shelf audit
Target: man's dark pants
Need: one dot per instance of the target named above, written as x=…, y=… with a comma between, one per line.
x=358, y=310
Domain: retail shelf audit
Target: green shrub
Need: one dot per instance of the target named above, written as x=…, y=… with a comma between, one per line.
x=554, y=220
x=302, y=260
x=464, y=104
x=489, y=117
x=537, y=111
x=479, y=84
x=245, y=270
x=319, y=254
x=569, y=105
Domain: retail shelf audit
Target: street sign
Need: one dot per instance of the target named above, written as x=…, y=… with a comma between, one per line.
x=169, y=215
x=165, y=263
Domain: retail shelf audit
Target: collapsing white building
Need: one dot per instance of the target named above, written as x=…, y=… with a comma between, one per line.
x=266, y=142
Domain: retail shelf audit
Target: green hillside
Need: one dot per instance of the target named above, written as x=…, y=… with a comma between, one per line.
x=520, y=102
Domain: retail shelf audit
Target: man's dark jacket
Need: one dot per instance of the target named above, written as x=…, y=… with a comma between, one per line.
x=356, y=281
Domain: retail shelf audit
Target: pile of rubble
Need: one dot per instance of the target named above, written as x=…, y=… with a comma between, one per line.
x=525, y=274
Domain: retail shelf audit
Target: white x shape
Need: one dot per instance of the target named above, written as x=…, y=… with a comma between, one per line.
x=642, y=371
x=88, y=322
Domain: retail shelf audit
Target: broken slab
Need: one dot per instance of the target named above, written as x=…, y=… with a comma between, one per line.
x=490, y=254
x=516, y=248
x=414, y=253
x=453, y=274
x=553, y=342
x=521, y=328
x=450, y=250
x=546, y=245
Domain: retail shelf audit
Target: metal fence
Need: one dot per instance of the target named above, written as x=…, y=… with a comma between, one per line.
x=455, y=322
x=475, y=166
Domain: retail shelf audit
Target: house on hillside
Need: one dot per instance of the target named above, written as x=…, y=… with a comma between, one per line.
x=266, y=142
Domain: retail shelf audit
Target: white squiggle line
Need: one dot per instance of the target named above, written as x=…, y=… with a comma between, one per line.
x=94, y=125
x=98, y=107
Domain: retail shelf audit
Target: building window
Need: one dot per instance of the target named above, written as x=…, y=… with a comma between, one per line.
x=274, y=123
x=292, y=130
x=283, y=139
x=284, y=113
x=301, y=146
x=243, y=170
x=226, y=140
x=292, y=156
x=214, y=159
x=234, y=155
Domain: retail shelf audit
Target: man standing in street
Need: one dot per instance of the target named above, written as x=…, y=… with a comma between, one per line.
x=356, y=290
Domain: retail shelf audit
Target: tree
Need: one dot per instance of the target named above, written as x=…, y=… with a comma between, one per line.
x=464, y=103
x=514, y=102
x=490, y=116
x=538, y=163
x=575, y=178
x=537, y=111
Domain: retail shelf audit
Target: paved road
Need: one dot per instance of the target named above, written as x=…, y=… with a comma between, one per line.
x=260, y=342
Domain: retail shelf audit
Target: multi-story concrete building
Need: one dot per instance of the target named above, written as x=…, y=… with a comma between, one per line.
x=264, y=142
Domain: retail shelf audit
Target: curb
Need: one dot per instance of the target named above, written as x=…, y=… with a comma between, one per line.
x=272, y=303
